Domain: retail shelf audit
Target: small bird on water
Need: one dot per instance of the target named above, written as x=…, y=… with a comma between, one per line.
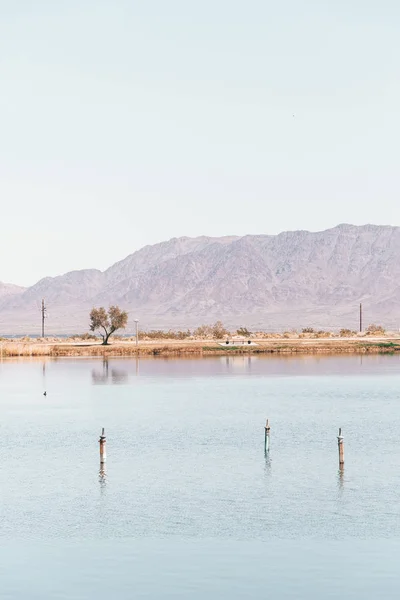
x=44, y=393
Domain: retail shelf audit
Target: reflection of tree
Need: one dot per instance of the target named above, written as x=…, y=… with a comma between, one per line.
x=105, y=377
x=118, y=376
x=98, y=378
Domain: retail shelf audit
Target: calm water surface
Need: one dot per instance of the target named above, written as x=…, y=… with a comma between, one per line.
x=189, y=506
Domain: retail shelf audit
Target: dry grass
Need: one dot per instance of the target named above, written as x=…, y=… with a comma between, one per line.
x=24, y=349
x=280, y=345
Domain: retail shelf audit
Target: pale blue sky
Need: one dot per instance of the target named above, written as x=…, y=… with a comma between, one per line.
x=126, y=123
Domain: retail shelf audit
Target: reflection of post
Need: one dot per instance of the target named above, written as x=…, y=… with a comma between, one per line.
x=137, y=365
x=341, y=449
x=44, y=377
x=103, y=451
x=266, y=439
x=103, y=475
x=267, y=458
x=340, y=479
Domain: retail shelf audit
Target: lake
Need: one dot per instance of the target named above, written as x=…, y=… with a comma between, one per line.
x=188, y=505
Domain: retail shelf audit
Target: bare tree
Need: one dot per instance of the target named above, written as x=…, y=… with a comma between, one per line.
x=219, y=330
x=204, y=331
x=109, y=321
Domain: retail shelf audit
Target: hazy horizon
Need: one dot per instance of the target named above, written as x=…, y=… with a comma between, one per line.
x=127, y=124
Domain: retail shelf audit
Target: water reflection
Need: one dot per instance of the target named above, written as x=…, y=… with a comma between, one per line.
x=44, y=375
x=239, y=363
x=306, y=496
x=105, y=375
x=103, y=476
x=118, y=376
x=267, y=464
x=242, y=365
x=340, y=478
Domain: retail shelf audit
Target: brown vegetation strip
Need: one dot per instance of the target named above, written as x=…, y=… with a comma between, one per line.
x=15, y=349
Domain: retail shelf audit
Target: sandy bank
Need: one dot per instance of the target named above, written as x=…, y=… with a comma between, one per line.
x=202, y=348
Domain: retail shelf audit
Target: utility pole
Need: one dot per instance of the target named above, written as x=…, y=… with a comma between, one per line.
x=43, y=316
x=361, y=316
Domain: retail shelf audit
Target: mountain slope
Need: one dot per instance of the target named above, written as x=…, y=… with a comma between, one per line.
x=8, y=290
x=295, y=279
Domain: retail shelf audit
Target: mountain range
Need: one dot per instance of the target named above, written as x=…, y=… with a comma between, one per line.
x=267, y=282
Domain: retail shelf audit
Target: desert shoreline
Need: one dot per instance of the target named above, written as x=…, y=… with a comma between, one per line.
x=201, y=348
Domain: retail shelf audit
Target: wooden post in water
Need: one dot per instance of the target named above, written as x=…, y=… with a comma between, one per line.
x=266, y=439
x=341, y=448
x=103, y=451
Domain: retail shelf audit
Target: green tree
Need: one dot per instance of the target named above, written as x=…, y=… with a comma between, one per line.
x=109, y=321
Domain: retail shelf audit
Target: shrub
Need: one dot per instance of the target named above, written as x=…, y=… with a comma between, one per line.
x=216, y=331
x=219, y=331
x=243, y=331
x=324, y=334
x=85, y=336
x=307, y=330
x=347, y=333
x=159, y=334
x=204, y=331
x=375, y=329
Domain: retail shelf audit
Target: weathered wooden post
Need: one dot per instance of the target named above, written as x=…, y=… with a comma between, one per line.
x=103, y=450
x=266, y=439
x=341, y=448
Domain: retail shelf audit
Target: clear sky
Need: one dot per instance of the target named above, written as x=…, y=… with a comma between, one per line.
x=125, y=123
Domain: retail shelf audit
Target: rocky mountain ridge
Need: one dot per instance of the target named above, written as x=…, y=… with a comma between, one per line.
x=293, y=279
